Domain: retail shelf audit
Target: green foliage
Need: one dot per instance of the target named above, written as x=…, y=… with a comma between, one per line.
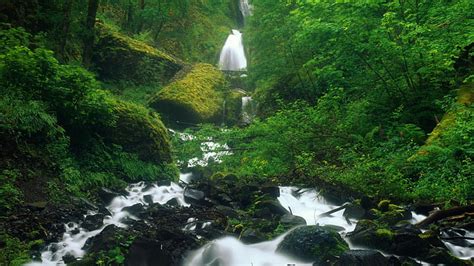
x=63, y=135
x=15, y=252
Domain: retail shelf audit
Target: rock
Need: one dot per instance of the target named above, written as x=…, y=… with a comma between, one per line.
x=68, y=258
x=139, y=131
x=195, y=98
x=144, y=251
x=354, y=211
x=103, y=241
x=93, y=222
x=119, y=57
x=134, y=210
x=38, y=205
x=251, y=236
x=107, y=195
x=172, y=202
x=292, y=220
x=362, y=258
x=227, y=211
x=163, y=183
x=313, y=244
x=273, y=206
x=270, y=190
x=194, y=196
x=148, y=199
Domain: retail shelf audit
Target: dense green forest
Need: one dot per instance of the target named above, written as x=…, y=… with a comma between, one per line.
x=367, y=98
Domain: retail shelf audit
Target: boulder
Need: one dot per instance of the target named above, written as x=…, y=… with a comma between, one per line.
x=251, y=236
x=362, y=258
x=194, y=196
x=93, y=222
x=119, y=57
x=139, y=131
x=354, y=211
x=134, y=210
x=107, y=195
x=272, y=206
x=290, y=220
x=195, y=98
x=313, y=244
x=270, y=190
x=144, y=251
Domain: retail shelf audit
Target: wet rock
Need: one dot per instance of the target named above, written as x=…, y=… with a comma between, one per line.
x=93, y=222
x=148, y=199
x=106, y=240
x=144, y=251
x=107, y=195
x=194, y=196
x=292, y=220
x=172, y=202
x=251, y=235
x=354, y=211
x=313, y=244
x=362, y=258
x=68, y=258
x=273, y=206
x=163, y=183
x=38, y=205
x=270, y=190
x=134, y=210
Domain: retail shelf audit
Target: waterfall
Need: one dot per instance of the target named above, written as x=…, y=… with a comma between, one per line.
x=245, y=8
x=248, y=110
x=232, y=56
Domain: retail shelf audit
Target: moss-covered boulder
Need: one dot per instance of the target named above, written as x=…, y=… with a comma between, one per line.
x=139, y=131
x=119, y=57
x=313, y=244
x=196, y=97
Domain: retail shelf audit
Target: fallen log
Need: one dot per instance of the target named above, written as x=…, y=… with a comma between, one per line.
x=326, y=214
x=443, y=214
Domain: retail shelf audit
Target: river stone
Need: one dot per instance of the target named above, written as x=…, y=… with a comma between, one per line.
x=172, y=202
x=273, y=206
x=292, y=220
x=134, y=210
x=145, y=251
x=194, y=196
x=272, y=191
x=107, y=195
x=93, y=222
x=362, y=258
x=251, y=236
x=313, y=244
x=354, y=211
x=148, y=199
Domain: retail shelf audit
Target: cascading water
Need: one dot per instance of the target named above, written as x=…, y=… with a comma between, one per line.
x=232, y=56
x=245, y=8
x=248, y=110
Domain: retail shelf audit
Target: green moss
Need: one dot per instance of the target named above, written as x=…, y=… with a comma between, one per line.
x=140, y=131
x=119, y=57
x=195, y=98
x=383, y=205
x=384, y=233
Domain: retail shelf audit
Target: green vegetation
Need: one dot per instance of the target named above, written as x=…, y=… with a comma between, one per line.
x=349, y=93
x=197, y=97
x=60, y=130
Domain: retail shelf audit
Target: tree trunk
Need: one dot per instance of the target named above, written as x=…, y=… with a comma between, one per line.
x=66, y=23
x=89, y=32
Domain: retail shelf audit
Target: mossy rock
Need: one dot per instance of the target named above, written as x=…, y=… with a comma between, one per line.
x=313, y=244
x=195, y=98
x=140, y=131
x=119, y=57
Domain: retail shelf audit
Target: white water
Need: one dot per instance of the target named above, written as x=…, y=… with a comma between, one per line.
x=245, y=8
x=309, y=204
x=248, y=110
x=229, y=251
x=75, y=237
x=232, y=57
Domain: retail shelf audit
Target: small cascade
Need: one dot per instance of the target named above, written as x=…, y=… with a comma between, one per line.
x=245, y=8
x=248, y=110
x=232, y=56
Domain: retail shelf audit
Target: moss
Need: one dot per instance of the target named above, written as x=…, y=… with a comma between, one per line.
x=140, y=131
x=119, y=57
x=195, y=98
x=233, y=107
x=384, y=233
x=15, y=252
x=383, y=205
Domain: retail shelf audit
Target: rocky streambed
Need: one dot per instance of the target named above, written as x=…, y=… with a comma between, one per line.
x=221, y=221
